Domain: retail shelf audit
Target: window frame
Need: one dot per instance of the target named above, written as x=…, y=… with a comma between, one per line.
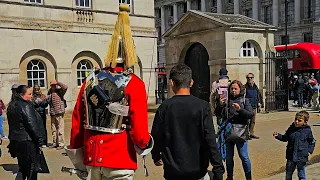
x=82, y=70
x=32, y=79
x=28, y=1
x=252, y=50
x=83, y=7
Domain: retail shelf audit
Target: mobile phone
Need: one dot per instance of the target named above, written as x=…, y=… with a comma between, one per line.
x=225, y=94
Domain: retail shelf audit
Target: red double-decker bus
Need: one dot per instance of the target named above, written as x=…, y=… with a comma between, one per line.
x=302, y=56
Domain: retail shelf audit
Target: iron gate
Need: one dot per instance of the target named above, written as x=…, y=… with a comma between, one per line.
x=276, y=65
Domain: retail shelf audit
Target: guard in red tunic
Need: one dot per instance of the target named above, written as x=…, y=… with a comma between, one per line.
x=110, y=118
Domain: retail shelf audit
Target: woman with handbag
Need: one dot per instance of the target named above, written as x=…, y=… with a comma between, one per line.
x=236, y=111
x=27, y=131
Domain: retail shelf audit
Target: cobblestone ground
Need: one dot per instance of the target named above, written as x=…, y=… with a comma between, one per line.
x=267, y=154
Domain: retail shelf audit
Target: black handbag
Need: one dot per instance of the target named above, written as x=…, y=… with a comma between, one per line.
x=41, y=165
x=238, y=133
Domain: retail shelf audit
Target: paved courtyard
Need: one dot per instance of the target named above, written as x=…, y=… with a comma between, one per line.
x=267, y=154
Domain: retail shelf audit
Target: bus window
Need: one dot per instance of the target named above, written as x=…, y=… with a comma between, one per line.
x=297, y=54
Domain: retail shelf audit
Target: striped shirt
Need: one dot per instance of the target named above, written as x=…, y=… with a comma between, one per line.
x=56, y=100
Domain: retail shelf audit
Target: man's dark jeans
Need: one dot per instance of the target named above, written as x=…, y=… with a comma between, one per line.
x=300, y=99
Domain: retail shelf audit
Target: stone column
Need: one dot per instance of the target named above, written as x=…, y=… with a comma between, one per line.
x=219, y=6
x=163, y=21
x=236, y=7
x=175, y=12
x=275, y=13
x=203, y=5
x=297, y=11
x=188, y=5
x=255, y=9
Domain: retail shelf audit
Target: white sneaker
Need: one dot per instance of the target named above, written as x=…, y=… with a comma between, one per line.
x=44, y=146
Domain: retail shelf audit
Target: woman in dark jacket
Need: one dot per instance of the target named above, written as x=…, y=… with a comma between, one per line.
x=26, y=132
x=237, y=110
x=40, y=103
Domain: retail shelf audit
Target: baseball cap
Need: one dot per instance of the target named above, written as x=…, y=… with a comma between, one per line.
x=15, y=86
x=223, y=71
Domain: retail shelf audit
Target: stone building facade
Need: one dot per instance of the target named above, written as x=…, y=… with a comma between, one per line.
x=303, y=16
x=208, y=41
x=42, y=40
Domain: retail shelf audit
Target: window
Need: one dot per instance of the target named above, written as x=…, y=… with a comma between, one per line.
x=214, y=3
x=83, y=3
x=268, y=14
x=36, y=73
x=248, y=12
x=185, y=7
x=248, y=50
x=284, y=40
x=308, y=9
x=291, y=12
x=307, y=37
x=83, y=68
x=129, y=2
x=159, y=34
x=199, y=5
x=34, y=1
x=170, y=9
x=158, y=13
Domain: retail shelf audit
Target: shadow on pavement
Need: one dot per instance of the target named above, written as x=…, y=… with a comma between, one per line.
x=10, y=167
x=315, y=159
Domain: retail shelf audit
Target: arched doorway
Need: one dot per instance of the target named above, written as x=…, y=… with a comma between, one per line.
x=197, y=59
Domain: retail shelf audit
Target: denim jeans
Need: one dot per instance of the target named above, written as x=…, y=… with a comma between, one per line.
x=244, y=156
x=301, y=169
x=300, y=99
x=1, y=126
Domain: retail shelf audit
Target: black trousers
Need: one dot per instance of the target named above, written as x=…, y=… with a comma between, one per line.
x=27, y=156
x=44, y=121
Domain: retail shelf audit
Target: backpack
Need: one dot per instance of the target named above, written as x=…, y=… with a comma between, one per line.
x=218, y=88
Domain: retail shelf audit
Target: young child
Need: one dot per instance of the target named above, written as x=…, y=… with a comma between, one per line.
x=183, y=133
x=300, y=144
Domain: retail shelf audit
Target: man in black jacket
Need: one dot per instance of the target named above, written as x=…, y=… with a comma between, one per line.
x=184, y=134
x=256, y=101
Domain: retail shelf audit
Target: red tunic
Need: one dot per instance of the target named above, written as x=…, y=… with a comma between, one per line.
x=113, y=150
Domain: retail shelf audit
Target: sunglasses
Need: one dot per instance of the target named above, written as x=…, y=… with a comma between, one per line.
x=250, y=77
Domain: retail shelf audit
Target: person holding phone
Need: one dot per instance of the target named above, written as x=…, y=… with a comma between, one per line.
x=236, y=110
